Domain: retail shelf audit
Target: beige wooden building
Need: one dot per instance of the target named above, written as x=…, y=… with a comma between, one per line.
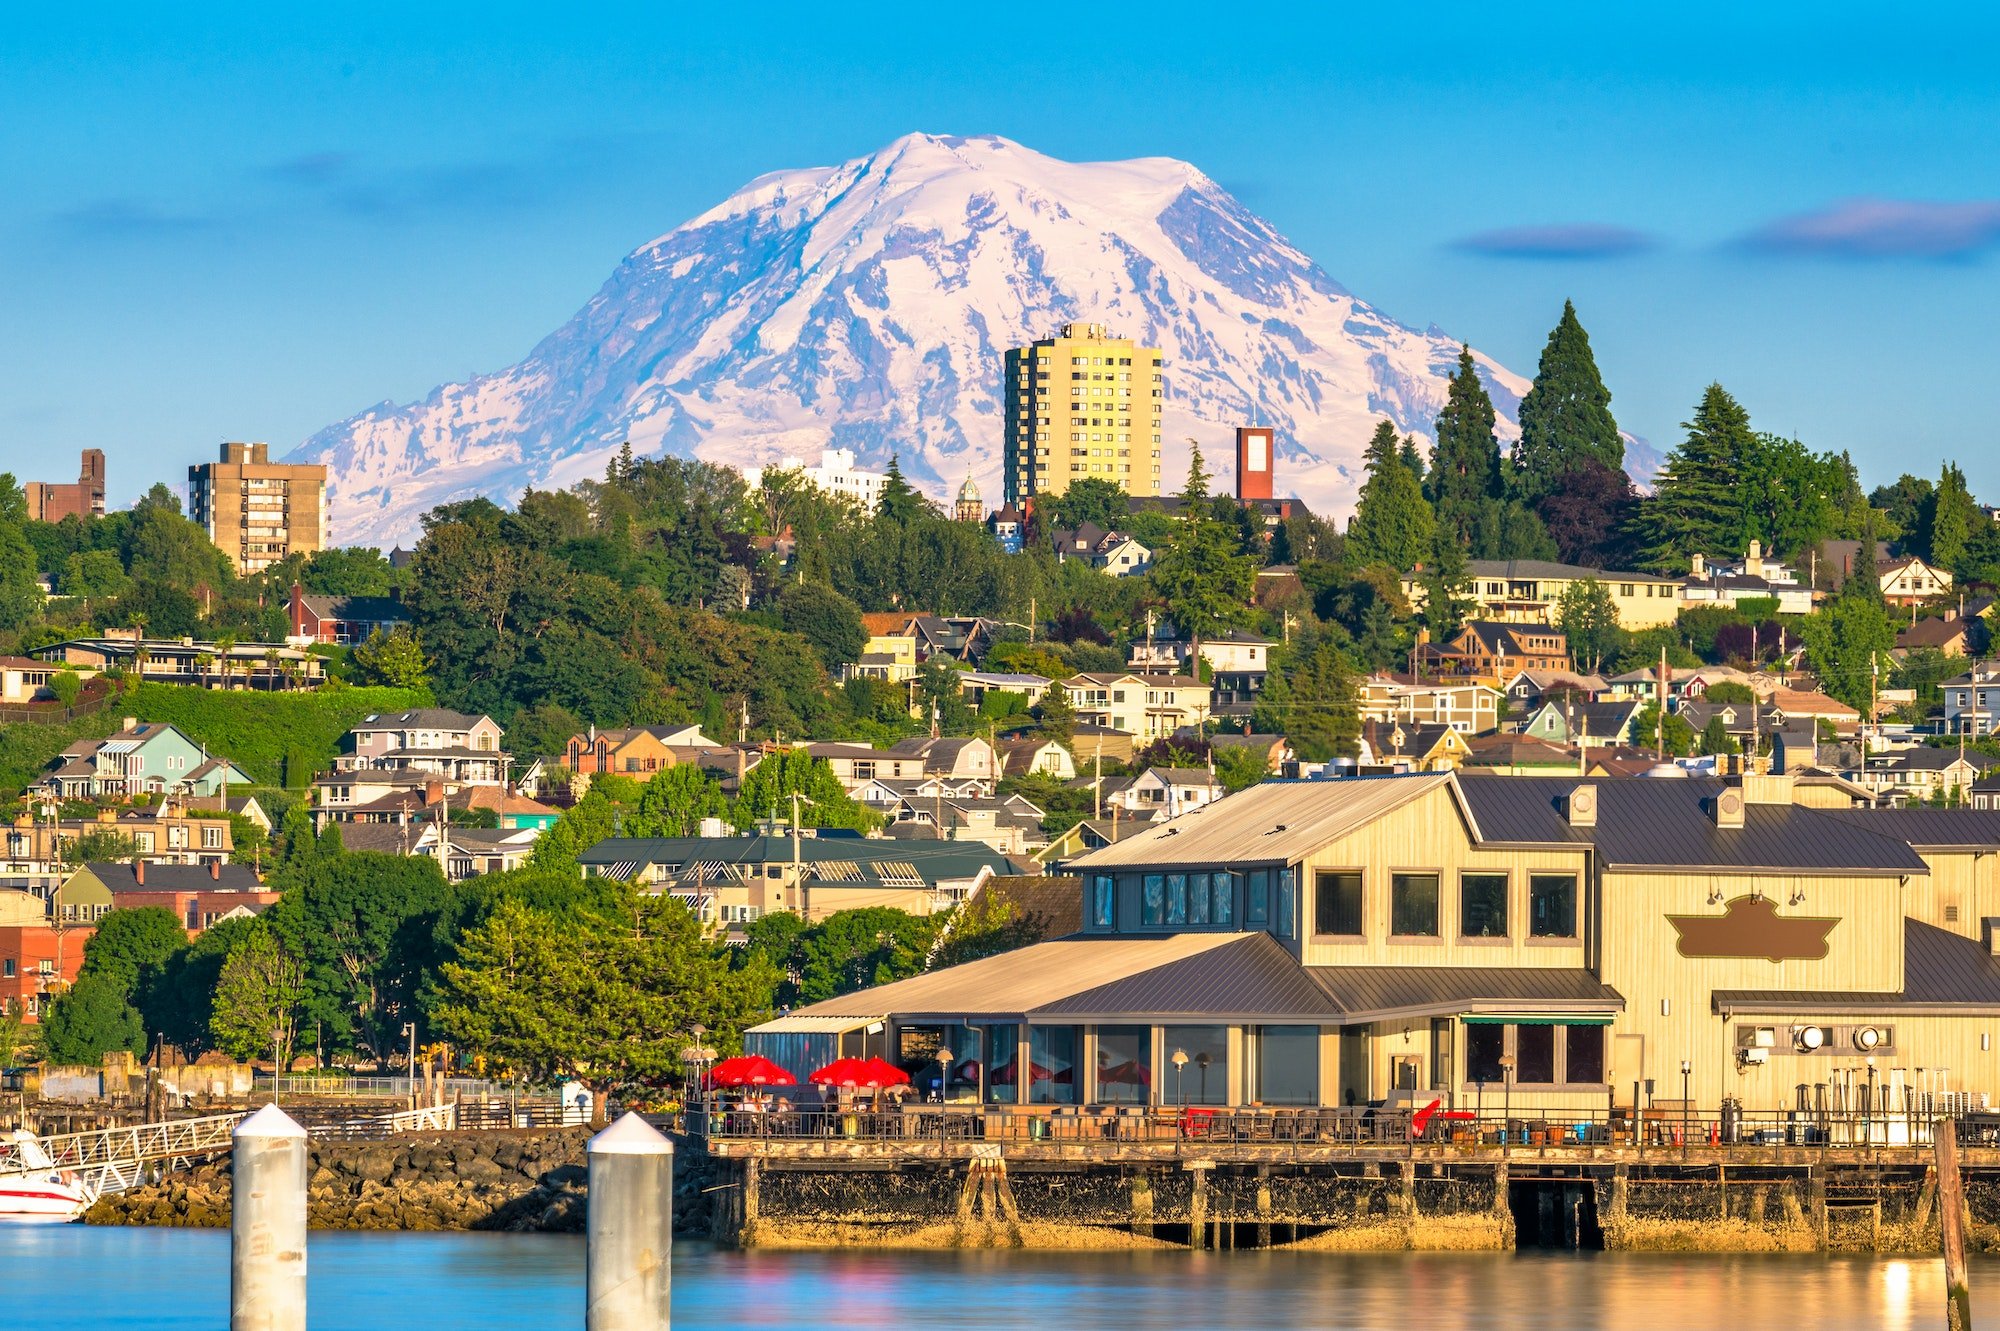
x=1553, y=943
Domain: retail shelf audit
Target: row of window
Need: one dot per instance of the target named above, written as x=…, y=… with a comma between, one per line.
x=1282, y=1064
x=1258, y=898
x=1416, y=902
x=1545, y=1054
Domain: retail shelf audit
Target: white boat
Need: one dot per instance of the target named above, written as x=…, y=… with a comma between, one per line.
x=32, y=1190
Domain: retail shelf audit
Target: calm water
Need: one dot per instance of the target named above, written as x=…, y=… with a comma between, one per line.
x=81, y=1279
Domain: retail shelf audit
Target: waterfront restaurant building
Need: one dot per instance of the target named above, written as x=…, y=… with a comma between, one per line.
x=1445, y=934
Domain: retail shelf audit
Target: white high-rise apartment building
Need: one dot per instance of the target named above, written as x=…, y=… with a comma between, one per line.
x=835, y=473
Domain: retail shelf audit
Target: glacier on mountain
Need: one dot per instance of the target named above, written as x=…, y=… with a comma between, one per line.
x=867, y=306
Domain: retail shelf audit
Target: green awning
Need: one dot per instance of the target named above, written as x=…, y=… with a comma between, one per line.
x=1535, y=1019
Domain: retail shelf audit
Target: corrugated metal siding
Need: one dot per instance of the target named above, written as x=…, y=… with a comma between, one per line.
x=1970, y=828
x=1253, y=976
x=1244, y=828
x=1369, y=990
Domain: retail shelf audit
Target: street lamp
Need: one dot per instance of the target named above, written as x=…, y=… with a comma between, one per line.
x=410, y=1030
x=1180, y=1087
x=1687, y=1071
x=1201, y=1062
x=944, y=1071
x=697, y=1055
x=1507, y=1104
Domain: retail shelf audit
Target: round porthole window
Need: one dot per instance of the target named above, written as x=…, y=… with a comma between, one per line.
x=1867, y=1037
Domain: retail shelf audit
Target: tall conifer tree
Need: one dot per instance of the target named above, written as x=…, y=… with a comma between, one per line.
x=1465, y=464
x=1566, y=416
x=1697, y=505
x=1391, y=523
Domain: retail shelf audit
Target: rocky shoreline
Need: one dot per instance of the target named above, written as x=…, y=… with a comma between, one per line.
x=512, y=1182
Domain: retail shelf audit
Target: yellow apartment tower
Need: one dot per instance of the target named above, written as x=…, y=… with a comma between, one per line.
x=258, y=511
x=1082, y=403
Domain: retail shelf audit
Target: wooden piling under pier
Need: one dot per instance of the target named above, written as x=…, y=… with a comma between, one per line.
x=831, y=1193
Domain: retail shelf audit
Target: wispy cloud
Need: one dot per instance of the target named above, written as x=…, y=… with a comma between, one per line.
x=1868, y=228
x=1563, y=240
x=314, y=168
x=129, y=217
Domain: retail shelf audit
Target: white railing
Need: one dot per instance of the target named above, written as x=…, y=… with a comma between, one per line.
x=114, y=1159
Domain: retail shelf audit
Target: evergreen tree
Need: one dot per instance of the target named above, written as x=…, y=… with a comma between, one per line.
x=1392, y=523
x=1865, y=582
x=1378, y=647
x=1566, y=417
x=1323, y=720
x=1446, y=584
x=900, y=504
x=1697, y=505
x=1200, y=575
x=1412, y=457
x=1465, y=463
x=1949, y=518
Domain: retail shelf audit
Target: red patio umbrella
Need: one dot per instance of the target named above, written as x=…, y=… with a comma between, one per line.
x=887, y=1074
x=749, y=1070
x=864, y=1074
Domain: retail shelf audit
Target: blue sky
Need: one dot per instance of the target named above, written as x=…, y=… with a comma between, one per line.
x=253, y=223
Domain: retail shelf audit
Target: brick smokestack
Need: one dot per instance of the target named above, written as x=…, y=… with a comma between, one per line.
x=1253, y=462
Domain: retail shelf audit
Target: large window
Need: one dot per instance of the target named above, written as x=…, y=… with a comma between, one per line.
x=1197, y=898
x=1223, y=887
x=1413, y=905
x=1546, y=1053
x=1003, y=1047
x=1103, y=901
x=1552, y=905
x=1482, y=905
x=1052, y=1065
x=1337, y=902
x=1124, y=1065
x=1153, y=901
x=1177, y=898
x=1287, y=1060
x=1257, y=906
x=1204, y=1078
x=1287, y=905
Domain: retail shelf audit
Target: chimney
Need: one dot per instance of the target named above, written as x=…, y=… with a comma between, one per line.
x=1580, y=806
x=139, y=872
x=215, y=870
x=1727, y=808
x=128, y=723
x=1697, y=566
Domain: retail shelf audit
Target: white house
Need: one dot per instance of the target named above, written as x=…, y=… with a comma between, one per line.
x=836, y=473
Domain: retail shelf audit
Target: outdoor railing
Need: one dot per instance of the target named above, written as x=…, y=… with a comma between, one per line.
x=380, y=1088
x=1666, y=1130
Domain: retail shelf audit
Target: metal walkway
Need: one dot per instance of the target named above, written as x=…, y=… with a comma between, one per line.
x=114, y=1159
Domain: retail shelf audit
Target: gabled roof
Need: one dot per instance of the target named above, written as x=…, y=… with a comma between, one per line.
x=1548, y=568
x=1274, y=822
x=1930, y=829
x=423, y=718
x=123, y=877
x=363, y=609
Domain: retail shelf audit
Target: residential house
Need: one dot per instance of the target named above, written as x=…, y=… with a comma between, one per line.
x=1528, y=591
x=263, y=666
x=1947, y=634
x=40, y=849
x=1010, y=824
x=1492, y=651
x=1746, y=723
x=467, y=852
x=1925, y=773
x=952, y=756
x=890, y=652
x=142, y=758
x=344, y=620
x=1110, y=552
x=1584, y=724
x=1331, y=943
x=1520, y=754
x=1092, y=742
x=23, y=679
x=1009, y=528
x=199, y=895
x=636, y=751
x=964, y=638
x=887, y=794
x=1985, y=793
x=1972, y=701
x=38, y=957
x=1238, y=663
x=976, y=684
x=1169, y=792
x=730, y=881
x=457, y=748
x=1754, y=577
x=1469, y=707
x=855, y=765
x=1148, y=707
x=1790, y=705
x=1036, y=755
x=1403, y=747
x=1275, y=750
x=1910, y=581
x=1529, y=689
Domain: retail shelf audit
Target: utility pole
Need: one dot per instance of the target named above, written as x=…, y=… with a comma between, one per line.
x=1660, y=701
x=1097, y=781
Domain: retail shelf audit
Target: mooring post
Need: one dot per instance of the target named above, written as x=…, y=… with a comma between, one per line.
x=1951, y=1210
x=1198, y=1204
x=628, y=1264
x=267, y=1223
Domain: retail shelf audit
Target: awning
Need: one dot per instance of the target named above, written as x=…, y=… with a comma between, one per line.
x=794, y=1023
x=1535, y=1019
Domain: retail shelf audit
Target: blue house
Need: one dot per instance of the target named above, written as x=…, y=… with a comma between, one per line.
x=144, y=758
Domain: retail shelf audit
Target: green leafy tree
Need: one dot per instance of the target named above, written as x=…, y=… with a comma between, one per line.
x=1729, y=691
x=766, y=791
x=1588, y=618
x=1055, y=715
x=1205, y=583
x=131, y=949
x=20, y=592
x=674, y=802
x=1465, y=462
x=941, y=699
x=260, y=991
x=100, y=845
x=1716, y=739
x=1566, y=419
x=182, y=1003
x=606, y=997
x=826, y=619
x=1392, y=524
x=1680, y=737
x=857, y=949
x=90, y=1019
x=1848, y=642
x=1239, y=767
x=1088, y=499
x=67, y=685
x=1697, y=504
x=1316, y=705
x=581, y=826
x=395, y=659
x=900, y=505
x=93, y=575
x=20, y=1043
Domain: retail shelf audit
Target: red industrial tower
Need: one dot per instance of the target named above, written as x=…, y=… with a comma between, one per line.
x=1253, y=463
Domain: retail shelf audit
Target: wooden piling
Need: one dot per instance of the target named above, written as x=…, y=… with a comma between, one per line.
x=1951, y=1209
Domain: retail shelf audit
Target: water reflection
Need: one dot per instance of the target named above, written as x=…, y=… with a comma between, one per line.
x=89, y=1279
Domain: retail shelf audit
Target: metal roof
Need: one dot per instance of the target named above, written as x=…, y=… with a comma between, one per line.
x=1942, y=971
x=1645, y=823
x=1015, y=983
x=1971, y=829
x=1376, y=992
x=1275, y=822
x=1252, y=976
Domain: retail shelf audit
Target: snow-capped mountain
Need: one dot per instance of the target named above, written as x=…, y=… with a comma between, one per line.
x=868, y=305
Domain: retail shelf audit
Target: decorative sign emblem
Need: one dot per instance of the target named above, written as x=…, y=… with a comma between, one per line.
x=1750, y=927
